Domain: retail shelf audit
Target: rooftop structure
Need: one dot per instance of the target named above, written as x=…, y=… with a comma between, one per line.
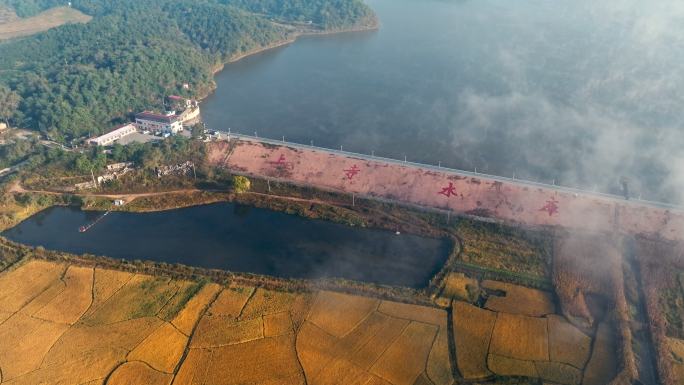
x=111, y=137
x=165, y=123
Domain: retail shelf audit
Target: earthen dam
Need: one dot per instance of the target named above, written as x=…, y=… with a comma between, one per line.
x=509, y=200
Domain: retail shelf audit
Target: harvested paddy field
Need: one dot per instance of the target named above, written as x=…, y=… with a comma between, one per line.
x=126, y=328
x=529, y=340
x=67, y=324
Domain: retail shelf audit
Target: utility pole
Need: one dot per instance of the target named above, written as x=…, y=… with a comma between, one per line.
x=353, y=200
x=268, y=182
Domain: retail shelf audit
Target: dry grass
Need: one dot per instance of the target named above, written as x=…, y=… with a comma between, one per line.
x=664, y=298
x=375, y=380
x=214, y=331
x=581, y=268
x=428, y=315
x=472, y=333
x=439, y=363
x=194, y=369
x=25, y=341
x=42, y=22
x=4, y=315
x=20, y=286
x=603, y=364
x=676, y=347
x=44, y=298
x=366, y=343
x=519, y=300
x=162, y=349
x=137, y=373
x=558, y=373
x=142, y=296
x=458, y=286
x=265, y=302
x=186, y=290
x=266, y=361
x=107, y=282
x=315, y=349
x=506, y=366
x=342, y=372
x=187, y=318
x=277, y=324
x=84, y=368
x=567, y=344
x=396, y=343
x=520, y=337
x=405, y=359
x=72, y=302
x=338, y=313
x=81, y=338
x=505, y=248
x=231, y=301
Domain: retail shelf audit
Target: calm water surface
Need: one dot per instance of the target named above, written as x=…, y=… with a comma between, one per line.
x=242, y=239
x=578, y=91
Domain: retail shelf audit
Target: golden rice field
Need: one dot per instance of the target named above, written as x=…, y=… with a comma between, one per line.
x=512, y=343
x=65, y=324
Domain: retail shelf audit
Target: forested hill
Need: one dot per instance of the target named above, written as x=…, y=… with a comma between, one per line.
x=81, y=79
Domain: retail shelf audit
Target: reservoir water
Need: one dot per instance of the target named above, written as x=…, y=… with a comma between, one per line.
x=576, y=91
x=241, y=239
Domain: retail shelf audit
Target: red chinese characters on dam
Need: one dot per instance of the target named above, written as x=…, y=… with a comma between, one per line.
x=448, y=191
x=550, y=207
x=280, y=162
x=520, y=202
x=352, y=172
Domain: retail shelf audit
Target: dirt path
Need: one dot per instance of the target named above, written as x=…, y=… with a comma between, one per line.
x=18, y=188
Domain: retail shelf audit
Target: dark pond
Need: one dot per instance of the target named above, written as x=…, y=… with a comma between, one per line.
x=241, y=239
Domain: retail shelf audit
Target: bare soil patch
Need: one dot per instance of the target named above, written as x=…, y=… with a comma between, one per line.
x=42, y=22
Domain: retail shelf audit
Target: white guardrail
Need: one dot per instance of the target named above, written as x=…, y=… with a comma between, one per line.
x=522, y=182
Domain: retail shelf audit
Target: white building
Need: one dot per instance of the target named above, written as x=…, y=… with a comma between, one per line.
x=167, y=124
x=111, y=137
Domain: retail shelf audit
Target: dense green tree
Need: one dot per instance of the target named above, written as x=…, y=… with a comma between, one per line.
x=81, y=79
x=9, y=102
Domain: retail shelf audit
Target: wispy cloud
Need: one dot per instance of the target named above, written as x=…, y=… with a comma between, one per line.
x=614, y=108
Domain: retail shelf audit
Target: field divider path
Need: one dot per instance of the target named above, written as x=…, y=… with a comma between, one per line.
x=61, y=278
x=451, y=339
x=192, y=334
x=432, y=346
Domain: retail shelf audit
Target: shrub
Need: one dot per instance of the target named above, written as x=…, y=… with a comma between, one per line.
x=241, y=184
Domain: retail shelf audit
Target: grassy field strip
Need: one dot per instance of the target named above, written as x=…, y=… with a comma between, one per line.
x=42, y=22
x=499, y=274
